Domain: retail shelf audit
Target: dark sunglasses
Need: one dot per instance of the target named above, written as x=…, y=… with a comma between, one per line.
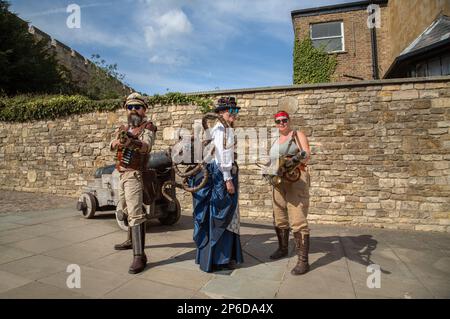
x=233, y=111
x=136, y=107
x=281, y=121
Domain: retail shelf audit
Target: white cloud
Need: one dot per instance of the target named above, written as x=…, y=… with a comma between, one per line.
x=175, y=30
x=168, y=27
x=169, y=59
x=174, y=22
x=64, y=9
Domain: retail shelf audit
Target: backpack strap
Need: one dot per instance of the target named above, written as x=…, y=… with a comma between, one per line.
x=297, y=141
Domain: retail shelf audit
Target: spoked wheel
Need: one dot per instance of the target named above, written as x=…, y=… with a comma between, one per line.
x=173, y=213
x=87, y=204
x=123, y=224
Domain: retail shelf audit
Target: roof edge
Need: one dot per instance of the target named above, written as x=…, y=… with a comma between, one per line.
x=342, y=7
x=325, y=85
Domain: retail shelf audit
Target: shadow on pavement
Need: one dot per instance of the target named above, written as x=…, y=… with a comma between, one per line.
x=358, y=249
x=355, y=248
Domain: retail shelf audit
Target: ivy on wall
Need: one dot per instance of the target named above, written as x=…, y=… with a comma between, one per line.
x=23, y=108
x=174, y=98
x=312, y=65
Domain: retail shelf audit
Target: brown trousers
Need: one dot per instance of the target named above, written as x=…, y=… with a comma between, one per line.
x=291, y=204
x=131, y=197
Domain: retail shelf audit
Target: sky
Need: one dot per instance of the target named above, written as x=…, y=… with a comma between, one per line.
x=179, y=46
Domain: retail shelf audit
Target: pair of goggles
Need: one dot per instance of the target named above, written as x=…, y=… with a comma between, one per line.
x=136, y=107
x=233, y=111
x=281, y=121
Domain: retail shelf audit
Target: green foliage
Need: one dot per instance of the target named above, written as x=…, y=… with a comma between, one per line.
x=23, y=108
x=312, y=65
x=176, y=98
x=105, y=80
x=27, y=66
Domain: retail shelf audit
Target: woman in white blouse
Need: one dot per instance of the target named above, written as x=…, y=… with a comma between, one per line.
x=216, y=208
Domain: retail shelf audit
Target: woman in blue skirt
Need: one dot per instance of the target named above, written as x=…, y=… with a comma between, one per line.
x=216, y=207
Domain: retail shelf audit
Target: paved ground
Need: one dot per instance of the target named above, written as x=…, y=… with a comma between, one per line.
x=37, y=247
x=12, y=201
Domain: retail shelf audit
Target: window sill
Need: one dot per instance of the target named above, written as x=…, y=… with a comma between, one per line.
x=337, y=52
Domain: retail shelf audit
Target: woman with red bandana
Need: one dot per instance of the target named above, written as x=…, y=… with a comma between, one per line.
x=291, y=199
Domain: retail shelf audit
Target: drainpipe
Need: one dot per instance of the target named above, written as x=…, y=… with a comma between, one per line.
x=373, y=40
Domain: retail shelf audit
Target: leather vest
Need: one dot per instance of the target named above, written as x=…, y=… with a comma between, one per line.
x=130, y=157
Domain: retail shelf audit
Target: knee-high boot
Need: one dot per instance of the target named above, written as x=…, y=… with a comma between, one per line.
x=139, y=257
x=283, y=242
x=126, y=244
x=302, y=250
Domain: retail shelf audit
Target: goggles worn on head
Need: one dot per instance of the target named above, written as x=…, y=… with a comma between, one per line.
x=281, y=121
x=233, y=111
x=137, y=107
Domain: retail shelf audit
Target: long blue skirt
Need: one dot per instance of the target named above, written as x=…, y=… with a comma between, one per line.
x=214, y=209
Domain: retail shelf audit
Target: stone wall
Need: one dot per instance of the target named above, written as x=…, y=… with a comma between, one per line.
x=80, y=67
x=380, y=150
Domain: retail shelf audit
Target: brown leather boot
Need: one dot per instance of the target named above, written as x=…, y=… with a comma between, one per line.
x=143, y=232
x=302, y=249
x=126, y=244
x=138, y=240
x=283, y=242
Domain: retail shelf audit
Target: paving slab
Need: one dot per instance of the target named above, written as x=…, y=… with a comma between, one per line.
x=35, y=267
x=37, y=246
x=11, y=218
x=142, y=288
x=14, y=235
x=81, y=253
x=8, y=225
x=9, y=254
x=174, y=276
x=94, y=283
x=69, y=222
x=116, y=262
x=240, y=287
x=40, y=244
x=82, y=233
x=39, y=229
x=38, y=290
x=10, y=281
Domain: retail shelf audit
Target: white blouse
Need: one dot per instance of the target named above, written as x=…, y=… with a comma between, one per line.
x=224, y=158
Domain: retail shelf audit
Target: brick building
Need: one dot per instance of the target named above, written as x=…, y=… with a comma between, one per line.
x=410, y=38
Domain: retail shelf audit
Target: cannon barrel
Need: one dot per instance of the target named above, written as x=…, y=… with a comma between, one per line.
x=159, y=160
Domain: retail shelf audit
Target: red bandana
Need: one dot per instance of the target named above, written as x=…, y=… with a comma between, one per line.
x=282, y=114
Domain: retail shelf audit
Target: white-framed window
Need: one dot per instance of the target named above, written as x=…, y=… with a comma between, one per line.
x=328, y=35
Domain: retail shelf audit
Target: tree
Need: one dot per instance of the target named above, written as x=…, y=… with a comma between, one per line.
x=105, y=81
x=312, y=65
x=27, y=65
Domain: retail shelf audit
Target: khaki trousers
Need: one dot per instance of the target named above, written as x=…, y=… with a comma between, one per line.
x=291, y=204
x=131, y=197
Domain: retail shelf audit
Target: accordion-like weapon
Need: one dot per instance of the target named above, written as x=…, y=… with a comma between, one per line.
x=129, y=156
x=288, y=168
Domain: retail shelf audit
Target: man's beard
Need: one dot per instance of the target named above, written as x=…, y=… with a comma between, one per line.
x=134, y=119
